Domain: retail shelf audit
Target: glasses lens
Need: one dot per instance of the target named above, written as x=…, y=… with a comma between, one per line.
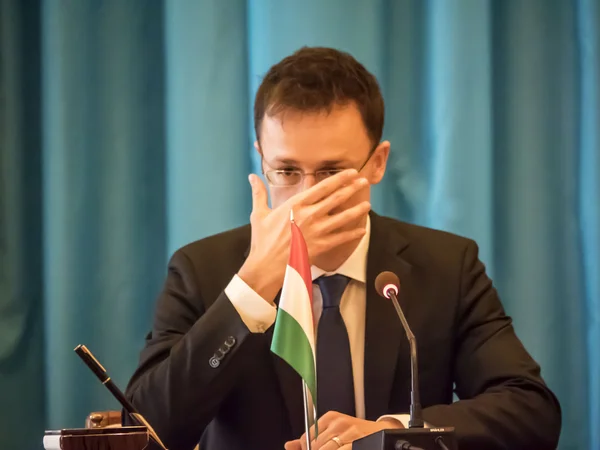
x=284, y=177
x=324, y=174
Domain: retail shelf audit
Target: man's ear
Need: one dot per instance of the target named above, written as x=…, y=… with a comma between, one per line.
x=378, y=162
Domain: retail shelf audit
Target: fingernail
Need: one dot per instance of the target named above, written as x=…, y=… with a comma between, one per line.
x=363, y=181
x=251, y=179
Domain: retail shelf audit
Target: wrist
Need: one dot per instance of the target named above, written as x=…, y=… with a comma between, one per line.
x=265, y=281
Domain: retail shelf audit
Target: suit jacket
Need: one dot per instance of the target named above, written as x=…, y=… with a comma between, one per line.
x=204, y=377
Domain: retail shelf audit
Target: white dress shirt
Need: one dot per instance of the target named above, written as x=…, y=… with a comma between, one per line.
x=258, y=314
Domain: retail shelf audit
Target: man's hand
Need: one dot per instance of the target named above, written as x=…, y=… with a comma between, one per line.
x=316, y=215
x=345, y=428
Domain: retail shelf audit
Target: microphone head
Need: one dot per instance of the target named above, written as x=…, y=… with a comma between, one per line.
x=386, y=282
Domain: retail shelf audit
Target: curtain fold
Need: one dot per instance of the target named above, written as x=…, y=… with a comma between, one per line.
x=537, y=242
x=208, y=145
x=104, y=193
x=22, y=388
x=588, y=206
x=126, y=131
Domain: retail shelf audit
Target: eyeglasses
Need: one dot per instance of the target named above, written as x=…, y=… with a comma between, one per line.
x=293, y=177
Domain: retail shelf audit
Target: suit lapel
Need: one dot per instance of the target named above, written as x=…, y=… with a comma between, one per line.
x=384, y=335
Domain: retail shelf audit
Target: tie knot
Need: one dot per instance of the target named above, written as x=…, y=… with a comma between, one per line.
x=332, y=288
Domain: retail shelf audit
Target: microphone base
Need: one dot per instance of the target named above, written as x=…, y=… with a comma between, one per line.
x=424, y=438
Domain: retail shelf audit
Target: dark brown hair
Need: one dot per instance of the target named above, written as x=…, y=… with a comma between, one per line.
x=315, y=79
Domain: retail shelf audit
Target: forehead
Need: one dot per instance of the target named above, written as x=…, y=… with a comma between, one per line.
x=338, y=134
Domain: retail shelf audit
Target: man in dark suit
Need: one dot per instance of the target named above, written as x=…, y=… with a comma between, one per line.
x=207, y=373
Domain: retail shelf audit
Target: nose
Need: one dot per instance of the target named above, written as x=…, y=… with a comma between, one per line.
x=309, y=181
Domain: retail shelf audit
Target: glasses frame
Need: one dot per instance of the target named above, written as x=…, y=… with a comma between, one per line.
x=304, y=174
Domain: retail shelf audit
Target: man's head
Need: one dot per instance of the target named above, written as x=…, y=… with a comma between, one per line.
x=318, y=110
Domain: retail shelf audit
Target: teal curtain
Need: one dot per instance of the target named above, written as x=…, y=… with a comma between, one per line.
x=126, y=132
x=104, y=214
x=22, y=390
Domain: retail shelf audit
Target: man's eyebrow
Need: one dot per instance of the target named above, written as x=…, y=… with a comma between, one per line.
x=332, y=162
x=290, y=162
x=293, y=162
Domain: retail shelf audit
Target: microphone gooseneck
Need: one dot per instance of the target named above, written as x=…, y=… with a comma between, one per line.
x=387, y=285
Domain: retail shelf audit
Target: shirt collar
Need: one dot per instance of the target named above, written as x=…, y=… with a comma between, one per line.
x=355, y=267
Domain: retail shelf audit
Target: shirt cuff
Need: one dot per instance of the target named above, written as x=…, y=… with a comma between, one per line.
x=256, y=313
x=402, y=418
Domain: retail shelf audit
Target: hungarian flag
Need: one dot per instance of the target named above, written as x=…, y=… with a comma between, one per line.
x=294, y=334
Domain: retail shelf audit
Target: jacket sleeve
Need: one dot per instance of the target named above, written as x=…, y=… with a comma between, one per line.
x=191, y=360
x=504, y=403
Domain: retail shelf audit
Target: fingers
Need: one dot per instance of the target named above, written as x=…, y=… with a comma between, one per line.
x=326, y=187
x=339, y=197
x=342, y=237
x=260, y=204
x=330, y=425
x=302, y=439
x=329, y=445
x=344, y=217
x=323, y=423
x=293, y=445
x=325, y=440
x=328, y=418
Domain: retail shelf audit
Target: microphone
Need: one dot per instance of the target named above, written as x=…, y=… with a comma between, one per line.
x=387, y=285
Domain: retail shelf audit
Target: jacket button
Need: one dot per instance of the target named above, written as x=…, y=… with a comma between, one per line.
x=214, y=362
x=230, y=342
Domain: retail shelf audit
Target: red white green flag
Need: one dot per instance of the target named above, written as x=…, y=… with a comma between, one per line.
x=294, y=334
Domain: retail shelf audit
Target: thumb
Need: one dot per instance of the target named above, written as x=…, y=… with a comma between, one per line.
x=259, y=195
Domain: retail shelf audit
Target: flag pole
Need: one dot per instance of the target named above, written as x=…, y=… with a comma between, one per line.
x=306, y=415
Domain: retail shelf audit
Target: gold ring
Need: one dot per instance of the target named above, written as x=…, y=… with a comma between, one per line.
x=337, y=441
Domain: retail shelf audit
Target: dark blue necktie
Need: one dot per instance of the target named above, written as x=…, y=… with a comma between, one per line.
x=335, y=385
